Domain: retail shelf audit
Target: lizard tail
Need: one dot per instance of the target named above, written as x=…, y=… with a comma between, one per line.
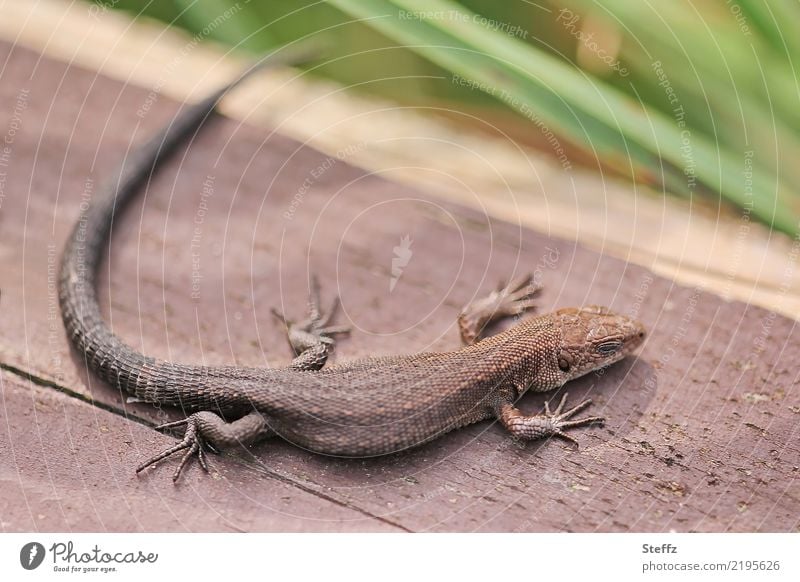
x=103, y=351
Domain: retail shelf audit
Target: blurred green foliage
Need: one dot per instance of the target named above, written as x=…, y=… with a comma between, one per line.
x=688, y=96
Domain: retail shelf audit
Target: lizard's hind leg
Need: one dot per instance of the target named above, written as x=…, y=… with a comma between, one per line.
x=207, y=428
x=507, y=301
x=312, y=341
x=313, y=338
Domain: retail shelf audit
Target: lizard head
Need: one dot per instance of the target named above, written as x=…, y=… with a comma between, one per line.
x=594, y=337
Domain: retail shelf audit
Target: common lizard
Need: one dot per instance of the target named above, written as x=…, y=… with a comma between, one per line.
x=369, y=407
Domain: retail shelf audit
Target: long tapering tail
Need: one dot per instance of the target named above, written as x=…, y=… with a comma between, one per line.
x=105, y=353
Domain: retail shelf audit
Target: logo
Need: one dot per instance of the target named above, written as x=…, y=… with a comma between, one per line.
x=31, y=555
x=402, y=255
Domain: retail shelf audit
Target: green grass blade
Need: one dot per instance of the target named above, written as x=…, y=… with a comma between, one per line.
x=584, y=110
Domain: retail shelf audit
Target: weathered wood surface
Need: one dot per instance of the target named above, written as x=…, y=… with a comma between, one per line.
x=66, y=466
x=702, y=428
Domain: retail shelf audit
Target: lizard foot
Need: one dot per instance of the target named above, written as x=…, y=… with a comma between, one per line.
x=206, y=429
x=548, y=424
x=561, y=420
x=192, y=443
x=313, y=338
x=509, y=300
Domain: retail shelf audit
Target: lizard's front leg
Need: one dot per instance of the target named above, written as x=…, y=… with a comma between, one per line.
x=543, y=425
x=507, y=301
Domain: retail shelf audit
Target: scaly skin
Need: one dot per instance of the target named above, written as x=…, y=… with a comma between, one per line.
x=368, y=407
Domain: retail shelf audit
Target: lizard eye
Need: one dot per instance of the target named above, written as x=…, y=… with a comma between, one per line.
x=609, y=348
x=563, y=364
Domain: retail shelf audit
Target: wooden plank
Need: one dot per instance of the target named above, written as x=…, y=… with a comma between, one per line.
x=702, y=427
x=66, y=466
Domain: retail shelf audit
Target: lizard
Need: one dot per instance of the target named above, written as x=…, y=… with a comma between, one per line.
x=367, y=407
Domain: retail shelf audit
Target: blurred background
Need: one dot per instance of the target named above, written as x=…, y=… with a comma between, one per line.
x=692, y=98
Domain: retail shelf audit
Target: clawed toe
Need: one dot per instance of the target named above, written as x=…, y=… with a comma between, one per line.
x=561, y=420
x=512, y=299
x=317, y=324
x=313, y=339
x=192, y=443
x=318, y=319
x=520, y=287
x=517, y=296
